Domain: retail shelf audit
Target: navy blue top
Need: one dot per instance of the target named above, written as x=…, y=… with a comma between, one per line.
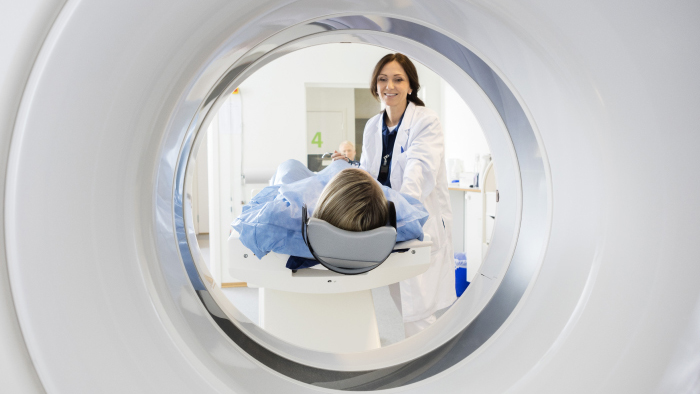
x=388, y=140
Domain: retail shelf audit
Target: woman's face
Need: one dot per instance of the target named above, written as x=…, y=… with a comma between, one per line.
x=392, y=85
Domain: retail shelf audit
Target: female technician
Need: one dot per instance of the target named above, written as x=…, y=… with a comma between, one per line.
x=403, y=148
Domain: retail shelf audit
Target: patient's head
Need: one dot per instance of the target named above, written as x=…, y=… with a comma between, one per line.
x=353, y=201
x=348, y=149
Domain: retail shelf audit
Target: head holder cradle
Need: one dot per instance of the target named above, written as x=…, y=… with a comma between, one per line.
x=348, y=252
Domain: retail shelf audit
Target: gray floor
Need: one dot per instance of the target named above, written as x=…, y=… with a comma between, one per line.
x=245, y=299
x=389, y=320
x=203, y=242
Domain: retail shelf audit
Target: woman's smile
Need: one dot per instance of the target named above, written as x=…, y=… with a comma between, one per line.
x=393, y=86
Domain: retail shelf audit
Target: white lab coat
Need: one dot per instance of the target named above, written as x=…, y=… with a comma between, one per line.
x=419, y=171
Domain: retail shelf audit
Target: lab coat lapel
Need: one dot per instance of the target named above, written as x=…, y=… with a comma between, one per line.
x=400, y=147
x=404, y=130
x=377, y=148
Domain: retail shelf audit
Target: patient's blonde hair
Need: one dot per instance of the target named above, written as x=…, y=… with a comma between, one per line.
x=353, y=201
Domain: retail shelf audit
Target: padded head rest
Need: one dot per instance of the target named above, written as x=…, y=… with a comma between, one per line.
x=349, y=252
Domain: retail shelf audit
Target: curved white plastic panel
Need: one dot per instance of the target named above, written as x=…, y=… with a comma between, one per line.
x=610, y=87
x=23, y=28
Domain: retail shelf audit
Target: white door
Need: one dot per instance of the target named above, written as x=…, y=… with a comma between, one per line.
x=324, y=131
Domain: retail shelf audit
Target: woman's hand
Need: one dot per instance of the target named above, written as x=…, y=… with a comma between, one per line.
x=339, y=156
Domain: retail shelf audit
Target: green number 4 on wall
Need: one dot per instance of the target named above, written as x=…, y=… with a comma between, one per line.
x=317, y=139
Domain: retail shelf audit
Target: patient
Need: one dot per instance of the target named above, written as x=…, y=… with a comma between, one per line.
x=353, y=201
x=346, y=197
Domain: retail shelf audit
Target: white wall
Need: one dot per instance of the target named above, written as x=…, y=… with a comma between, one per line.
x=274, y=103
x=366, y=105
x=464, y=138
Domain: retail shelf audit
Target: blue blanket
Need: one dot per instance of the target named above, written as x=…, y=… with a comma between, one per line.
x=271, y=221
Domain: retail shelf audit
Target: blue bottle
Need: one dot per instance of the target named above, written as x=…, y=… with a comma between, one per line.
x=461, y=273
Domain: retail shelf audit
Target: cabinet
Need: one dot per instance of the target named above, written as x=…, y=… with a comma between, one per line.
x=489, y=194
x=458, y=219
x=489, y=220
x=474, y=219
x=473, y=231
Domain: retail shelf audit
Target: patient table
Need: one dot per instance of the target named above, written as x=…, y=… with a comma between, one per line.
x=320, y=309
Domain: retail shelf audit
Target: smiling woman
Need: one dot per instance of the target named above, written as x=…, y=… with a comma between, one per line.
x=404, y=148
x=395, y=79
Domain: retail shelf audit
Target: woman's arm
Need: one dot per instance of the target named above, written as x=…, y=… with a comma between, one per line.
x=424, y=157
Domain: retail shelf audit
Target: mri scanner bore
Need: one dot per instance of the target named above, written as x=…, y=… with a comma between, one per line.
x=589, y=284
x=449, y=339
x=334, y=78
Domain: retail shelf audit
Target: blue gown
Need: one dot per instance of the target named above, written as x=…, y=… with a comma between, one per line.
x=271, y=221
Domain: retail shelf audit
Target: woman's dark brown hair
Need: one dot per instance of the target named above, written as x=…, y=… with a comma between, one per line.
x=408, y=68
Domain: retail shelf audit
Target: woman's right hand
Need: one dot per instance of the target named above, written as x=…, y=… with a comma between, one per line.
x=339, y=156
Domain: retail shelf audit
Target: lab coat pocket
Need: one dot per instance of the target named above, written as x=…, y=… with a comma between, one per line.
x=445, y=228
x=434, y=227
x=401, y=161
x=398, y=164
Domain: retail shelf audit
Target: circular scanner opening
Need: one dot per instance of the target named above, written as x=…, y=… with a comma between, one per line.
x=518, y=235
x=298, y=107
